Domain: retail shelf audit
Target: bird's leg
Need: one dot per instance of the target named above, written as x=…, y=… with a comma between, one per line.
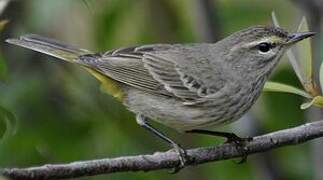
x=231, y=138
x=141, y=120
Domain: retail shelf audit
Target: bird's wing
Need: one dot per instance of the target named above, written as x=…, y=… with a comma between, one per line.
x=162, y=69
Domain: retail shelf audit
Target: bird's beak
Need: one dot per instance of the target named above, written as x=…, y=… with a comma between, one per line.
x=298, y=36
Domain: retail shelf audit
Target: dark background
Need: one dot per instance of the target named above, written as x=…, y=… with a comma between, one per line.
x=62, y=116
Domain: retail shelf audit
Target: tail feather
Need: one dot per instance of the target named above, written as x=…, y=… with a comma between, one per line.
x=49, y=46
x=68, y=53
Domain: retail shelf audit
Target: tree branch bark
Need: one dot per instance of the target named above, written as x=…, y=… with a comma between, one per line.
x=169, y=159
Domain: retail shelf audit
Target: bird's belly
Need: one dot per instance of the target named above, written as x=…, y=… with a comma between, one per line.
x=173, y=113
x=168, y=111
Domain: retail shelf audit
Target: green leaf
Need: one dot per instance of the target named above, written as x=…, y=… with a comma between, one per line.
x=297, y=69
x=291, y=56
x=3, y=24
x=274, y=19
x=317, y=101
x=3, y=66
x=304, y=50
x=7, y=124
x=3, y=69
x=284, y=88
x=321, y=76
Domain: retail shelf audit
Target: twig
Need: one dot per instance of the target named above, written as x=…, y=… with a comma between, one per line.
x=169, y=159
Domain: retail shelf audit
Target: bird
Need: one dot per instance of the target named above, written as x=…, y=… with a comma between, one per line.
x=187, y=87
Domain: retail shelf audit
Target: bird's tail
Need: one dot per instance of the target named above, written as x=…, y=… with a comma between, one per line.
x=67, y=53
x=49, y=46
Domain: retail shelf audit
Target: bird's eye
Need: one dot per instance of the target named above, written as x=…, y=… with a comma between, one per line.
x=264, y=47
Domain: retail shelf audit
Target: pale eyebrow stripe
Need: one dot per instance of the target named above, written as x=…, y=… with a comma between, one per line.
x=272, y=39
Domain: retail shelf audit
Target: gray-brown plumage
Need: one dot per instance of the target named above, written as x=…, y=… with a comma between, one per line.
x=184, y=86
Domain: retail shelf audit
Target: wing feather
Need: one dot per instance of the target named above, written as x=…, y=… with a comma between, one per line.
x=149, y=70
x=166, y=73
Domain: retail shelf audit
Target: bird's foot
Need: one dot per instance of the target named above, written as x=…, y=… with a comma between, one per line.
x=240, y=144
x=239, y=141
x=182, y=156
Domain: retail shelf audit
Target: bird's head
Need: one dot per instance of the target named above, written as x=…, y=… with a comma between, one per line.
x=258, y=49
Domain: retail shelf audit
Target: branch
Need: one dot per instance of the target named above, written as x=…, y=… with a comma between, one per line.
x=169, y=159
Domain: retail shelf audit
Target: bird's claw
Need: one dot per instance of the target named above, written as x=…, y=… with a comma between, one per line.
x=233, y=138
x=240, y=144
x=183, y=158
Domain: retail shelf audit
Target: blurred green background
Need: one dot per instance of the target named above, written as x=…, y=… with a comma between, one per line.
x=62, y=116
